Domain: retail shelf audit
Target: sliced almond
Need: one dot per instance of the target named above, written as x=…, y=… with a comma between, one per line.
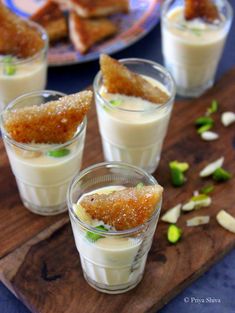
x=209, y=136
x=210, y=168
x=227, y=118
x=226, y=220
x=198, y=220
x=172, y=215
x=189, y=206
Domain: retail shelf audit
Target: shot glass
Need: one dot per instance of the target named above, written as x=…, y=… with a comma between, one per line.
x=135, y=136
x=43, y=172
x=20, y=76
x=114, y=263
x=192, y=49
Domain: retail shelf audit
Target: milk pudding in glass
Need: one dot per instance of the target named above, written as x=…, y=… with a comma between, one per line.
x=43, y=171
x=22, y=75
x=132, y=128
x=192, y=48
x=114, y=209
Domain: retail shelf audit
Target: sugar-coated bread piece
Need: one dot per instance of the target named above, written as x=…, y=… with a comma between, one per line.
x=17, y=38
x=52, y=19
x=84, y=33
x=124, y=209
x=64, y=4
x=117, y=78
x=96, y=8
x=51, y=122
x=204, y=9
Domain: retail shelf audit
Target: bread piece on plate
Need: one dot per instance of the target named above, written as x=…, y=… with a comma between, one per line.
x=52, y=19
x=64, y=4
x=117, y=78
x=17, y=38
x=84, y=33
x=95, y=8
x=205, y=9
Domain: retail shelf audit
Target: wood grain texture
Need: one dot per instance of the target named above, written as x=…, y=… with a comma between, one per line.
x=45, y=272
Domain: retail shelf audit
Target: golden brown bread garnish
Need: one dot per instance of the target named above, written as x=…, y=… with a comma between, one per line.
x=51, y=122
x=52, y=19
x=96, y=8
x=84, y=33
x=117, y=78
x=17, y=37
x=205, y=9
x=126, y=208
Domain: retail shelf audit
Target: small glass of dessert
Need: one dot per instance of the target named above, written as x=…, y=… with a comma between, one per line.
x=44, y=134
x=193, y=38
x=134, y=99
x=23, y=60
x=114, y=209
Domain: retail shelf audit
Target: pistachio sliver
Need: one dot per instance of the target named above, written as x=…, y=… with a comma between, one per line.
x=93, y=236
x=115, y=102
x=204, y=120
x=213, y=107
x=204, y=128
x=9, y=68
x=174, y=233
x=221, y=175
x=58, y=153
x=207, y=189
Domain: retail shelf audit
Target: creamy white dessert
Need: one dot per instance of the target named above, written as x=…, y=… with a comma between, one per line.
x=23, y=77
x=192, y=50
x=132, y=129
x=42, y=178
x=114, y=262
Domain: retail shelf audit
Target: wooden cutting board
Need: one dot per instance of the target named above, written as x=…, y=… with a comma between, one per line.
x=39, y=261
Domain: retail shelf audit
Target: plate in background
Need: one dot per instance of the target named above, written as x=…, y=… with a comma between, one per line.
x=143, y=16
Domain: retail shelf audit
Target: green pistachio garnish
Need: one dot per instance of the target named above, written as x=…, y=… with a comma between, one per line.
x=9, y=68
x=177, y=172
x=58, y=153
x=174, y=233
x=94, y=237
x=207, y=189
x=204, y=120
x=139, y=185
x=116, y=102
x=213, y=108
x=221, y=175
x=204, y=128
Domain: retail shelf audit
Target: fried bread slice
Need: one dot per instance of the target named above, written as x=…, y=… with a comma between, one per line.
x=96, y=8
x=205, y=9
x=124, y=209
x=51, y=122
x=117, y=78
x=51, y=17
x=84, y=33
x=17, y=37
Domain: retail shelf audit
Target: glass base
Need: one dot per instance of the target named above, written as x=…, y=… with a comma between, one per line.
x=146, y=158
x=45, y=211
x=193, y=92
x=117, y=289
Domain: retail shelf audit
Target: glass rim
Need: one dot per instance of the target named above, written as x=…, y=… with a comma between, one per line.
x=98, y=231
x=156, y=66
x=218, y=26
x=43, y=50
x=28, y=146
